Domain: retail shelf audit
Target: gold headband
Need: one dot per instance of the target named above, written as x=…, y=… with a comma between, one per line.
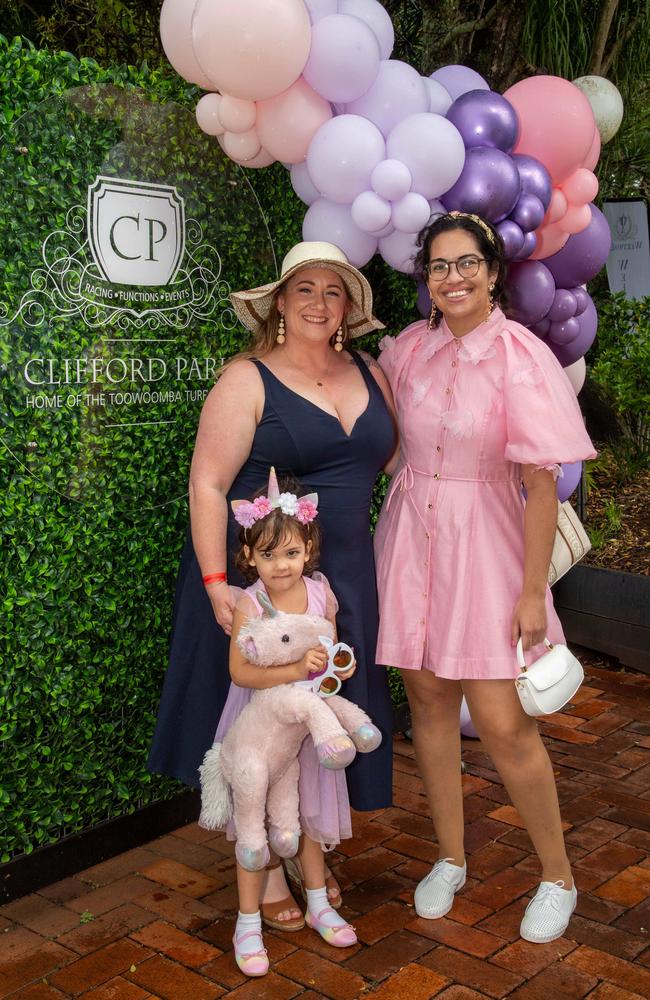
x=479, y=222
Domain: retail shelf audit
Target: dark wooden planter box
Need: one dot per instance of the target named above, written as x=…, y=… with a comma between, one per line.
x=607, y=611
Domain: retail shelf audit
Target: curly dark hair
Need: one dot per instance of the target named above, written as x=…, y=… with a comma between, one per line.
x=269, y=532
x=491, y=249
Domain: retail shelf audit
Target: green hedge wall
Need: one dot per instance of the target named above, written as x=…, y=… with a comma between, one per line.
x=87, y=589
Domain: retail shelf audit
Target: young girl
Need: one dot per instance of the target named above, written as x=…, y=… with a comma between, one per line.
x=278, y=554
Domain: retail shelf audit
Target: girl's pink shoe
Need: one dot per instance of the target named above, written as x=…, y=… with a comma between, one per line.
x=342, y=936
x=254, y=963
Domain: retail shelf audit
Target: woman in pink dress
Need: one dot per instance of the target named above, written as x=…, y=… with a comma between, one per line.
x=462, y=562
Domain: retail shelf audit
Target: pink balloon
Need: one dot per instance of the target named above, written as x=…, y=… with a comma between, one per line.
x=263, y=159
x=576, y=374
x=343, y=59
x=332, y=223
x=302, y=184
x=432, y=149
x=556, y=122
x=557, y=207
x=342, y=156
x=286, y=124
x=580, y=187
x=411, y=213
x=591, y=159
x=398, y=91
x=241, y=146
x=376, y=17
x=576, y=218
x=176, y=38
x=399, y=250
x=391, y=179
x=207, y=114
x=253, y=50
x=550, y=239
x=370, y=212
x=236, y=115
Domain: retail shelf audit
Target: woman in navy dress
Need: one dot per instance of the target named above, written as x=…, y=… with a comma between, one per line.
x=300, y=401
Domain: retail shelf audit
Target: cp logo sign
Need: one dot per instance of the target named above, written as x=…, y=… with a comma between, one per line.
x=136, y=231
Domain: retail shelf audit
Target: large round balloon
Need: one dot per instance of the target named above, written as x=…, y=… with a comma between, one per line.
x=399, y=250
x=583, y=255
x=176, y=38
x=342, y=156
x=333, y=223
x=606, y=104
x=556, y=123
x=568, y=481
x=343, y=59
x=485, y=118
x=398, y=91
x=531, y=290
x=375, y=15
x=439, y=99
x=459, y=80
x=432, y=149
x=253, y=50
x=489, y=185
x=286, y=124
x=320, y=8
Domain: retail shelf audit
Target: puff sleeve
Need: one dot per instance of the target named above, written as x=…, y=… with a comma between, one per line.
x=396, y=353
x=544, y=425
x=331, y=604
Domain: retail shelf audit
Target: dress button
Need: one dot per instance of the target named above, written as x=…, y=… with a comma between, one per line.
x=438, y=448
x=436, y=475
x=429, y=505
x=447, y=390
x=453, y=364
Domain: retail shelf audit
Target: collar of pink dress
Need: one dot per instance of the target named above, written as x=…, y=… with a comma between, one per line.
x=475, y=346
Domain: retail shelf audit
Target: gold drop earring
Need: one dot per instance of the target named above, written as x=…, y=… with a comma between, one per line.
x=432, y=317
x=490, y=305
x=280, y=339
x=338, y=343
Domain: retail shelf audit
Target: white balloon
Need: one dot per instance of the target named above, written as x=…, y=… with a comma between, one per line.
x=606, y=104
x=576, y=374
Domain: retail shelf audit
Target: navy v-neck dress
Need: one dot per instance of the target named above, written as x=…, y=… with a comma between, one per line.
x=301, y=439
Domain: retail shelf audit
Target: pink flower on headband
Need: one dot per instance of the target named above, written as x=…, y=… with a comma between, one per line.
x=306, y=511
x=246, y=514
x=263, y=507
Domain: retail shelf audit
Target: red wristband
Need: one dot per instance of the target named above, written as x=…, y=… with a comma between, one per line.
x=214, y=578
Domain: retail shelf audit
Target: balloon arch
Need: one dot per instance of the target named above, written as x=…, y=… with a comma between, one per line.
x=375, y=149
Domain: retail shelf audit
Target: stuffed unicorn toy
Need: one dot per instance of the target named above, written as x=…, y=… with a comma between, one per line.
x=254, y=772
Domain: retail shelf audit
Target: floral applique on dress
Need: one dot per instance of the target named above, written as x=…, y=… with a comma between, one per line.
x=475, y=353
x=458, y=423
x=419, y=390
x=528, y=375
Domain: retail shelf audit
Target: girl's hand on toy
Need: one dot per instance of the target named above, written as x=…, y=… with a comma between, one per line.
x=223, y=603
x=313, y=662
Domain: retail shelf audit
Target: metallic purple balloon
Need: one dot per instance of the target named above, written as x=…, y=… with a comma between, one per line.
x=489, y=185
x=583, y=255
x=530, y=289
x=564, y=332
x=512, y=236
x=563, y=308
x=528, y=212
x=568, y=481
x=582, y=300
x=567, y=354
x=535, y=178
x=485, y=118
x=530, y=244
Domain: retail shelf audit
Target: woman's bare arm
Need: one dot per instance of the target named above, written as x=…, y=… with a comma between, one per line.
x=540, y=520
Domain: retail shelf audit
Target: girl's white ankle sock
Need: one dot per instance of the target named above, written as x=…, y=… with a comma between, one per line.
x=317, y=901
x=247, y=922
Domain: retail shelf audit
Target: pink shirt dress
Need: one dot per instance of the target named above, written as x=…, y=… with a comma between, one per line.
x=449, y=542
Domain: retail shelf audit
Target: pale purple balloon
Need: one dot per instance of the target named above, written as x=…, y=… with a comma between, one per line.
x=377, y=18
x=567, y=354
x=397, y=93
x=328, y=222
x=565, y=331
x=568, y=481
x=528, y=212
x=489, y=185
x=302, y=183
x=459, y=80
x=320, y=8
x=370, y=212
x=583, y=255
x=391, y=179
x=530, y=288
x=512, y=236
x=535, y=178
x=432, y=149
x=399, y=250
x=343, y=59
x=386, y=231
x=582, y=299
x=342, y=156
x=563, y=307
x=424, y=299
x=485, y=118
x=439, y=98
x=530, y=245
x=410, y=213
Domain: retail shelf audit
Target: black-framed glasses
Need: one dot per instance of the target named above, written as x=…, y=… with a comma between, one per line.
x=466, y=266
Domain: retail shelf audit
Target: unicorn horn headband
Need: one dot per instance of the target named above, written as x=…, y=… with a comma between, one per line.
x=247, y=512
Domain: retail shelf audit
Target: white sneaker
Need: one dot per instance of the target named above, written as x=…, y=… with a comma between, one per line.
x=548, y=913
x=434, y=895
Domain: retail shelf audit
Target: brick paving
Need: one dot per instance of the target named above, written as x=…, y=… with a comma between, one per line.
x=157, y=921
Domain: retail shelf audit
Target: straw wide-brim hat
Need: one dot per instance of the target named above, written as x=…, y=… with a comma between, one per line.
x=254, y=304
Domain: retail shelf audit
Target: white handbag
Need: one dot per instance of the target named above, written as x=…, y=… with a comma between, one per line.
x=550, y=682
x=571, y=542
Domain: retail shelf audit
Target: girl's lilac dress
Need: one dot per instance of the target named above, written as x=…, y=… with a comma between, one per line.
x=324, y=805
